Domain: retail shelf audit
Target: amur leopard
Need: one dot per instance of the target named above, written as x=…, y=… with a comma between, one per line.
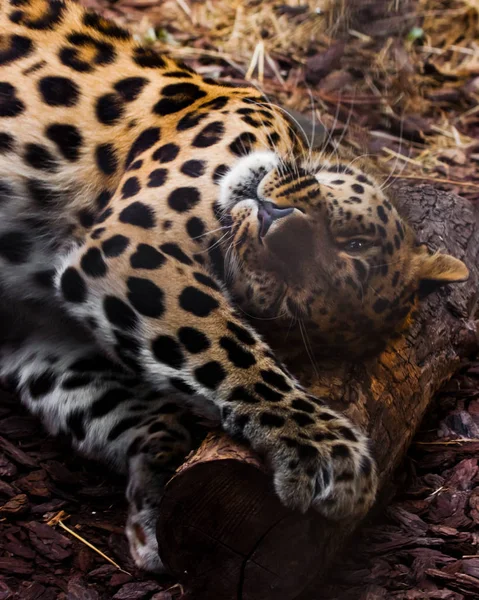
x=146, y=212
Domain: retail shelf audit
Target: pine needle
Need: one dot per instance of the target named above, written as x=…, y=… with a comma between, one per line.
x=57, y=520
x=456, y=442
x=439, y=180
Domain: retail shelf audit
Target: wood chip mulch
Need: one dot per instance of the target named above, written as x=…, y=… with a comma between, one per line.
x=42, y=481
x=422, y=546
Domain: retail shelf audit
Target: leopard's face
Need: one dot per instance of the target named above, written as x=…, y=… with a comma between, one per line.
x=320, y=244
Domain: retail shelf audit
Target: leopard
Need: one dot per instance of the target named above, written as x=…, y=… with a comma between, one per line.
x=150, y=217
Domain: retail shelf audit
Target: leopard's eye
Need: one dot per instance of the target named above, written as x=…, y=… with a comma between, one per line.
x=356, y=245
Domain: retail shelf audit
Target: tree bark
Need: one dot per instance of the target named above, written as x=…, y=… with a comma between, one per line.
x=223, y=532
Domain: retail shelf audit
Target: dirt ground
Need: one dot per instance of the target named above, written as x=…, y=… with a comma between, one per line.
x=400, y=87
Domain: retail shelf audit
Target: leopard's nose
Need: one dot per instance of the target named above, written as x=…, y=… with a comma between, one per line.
x=268, y=213
x=291, y=238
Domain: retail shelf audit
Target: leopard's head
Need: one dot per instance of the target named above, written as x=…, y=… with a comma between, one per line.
x=319, y=244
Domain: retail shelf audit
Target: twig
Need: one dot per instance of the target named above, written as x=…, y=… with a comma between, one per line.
x=458, y=442
x=439, y=180
x=57, y=520
x=185, y=8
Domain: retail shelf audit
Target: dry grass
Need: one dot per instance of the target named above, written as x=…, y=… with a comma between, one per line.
x=398, y=80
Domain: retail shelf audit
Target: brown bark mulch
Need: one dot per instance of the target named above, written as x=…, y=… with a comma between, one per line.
x=423, y=546
x=39, y=478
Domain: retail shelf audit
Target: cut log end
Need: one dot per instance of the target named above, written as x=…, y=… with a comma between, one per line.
x=223, y=532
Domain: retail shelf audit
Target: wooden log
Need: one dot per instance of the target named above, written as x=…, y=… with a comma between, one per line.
x=223, y=533
x=221, y=508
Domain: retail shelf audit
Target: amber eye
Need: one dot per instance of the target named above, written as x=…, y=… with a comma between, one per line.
x=356, y=245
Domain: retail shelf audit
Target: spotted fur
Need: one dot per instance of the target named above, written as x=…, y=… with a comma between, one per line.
x=144, y=211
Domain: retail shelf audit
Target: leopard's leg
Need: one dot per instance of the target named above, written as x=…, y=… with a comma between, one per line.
x=167, y=318
x=155, y=453
x=108, y=414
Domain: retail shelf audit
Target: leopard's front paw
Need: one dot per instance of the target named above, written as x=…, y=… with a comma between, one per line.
x=325, y=463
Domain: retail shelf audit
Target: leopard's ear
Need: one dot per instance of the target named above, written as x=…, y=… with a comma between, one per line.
x=435, y=270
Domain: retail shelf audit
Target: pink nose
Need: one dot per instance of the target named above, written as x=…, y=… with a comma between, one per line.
x=268, y=213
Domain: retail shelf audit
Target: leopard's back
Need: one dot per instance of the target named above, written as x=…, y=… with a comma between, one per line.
x=79, y=100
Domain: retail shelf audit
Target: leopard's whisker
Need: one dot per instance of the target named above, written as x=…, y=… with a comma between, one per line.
x=337, y=144
x=329, y=138
x=198, y=237
x=398, y=154
x=307, y=346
